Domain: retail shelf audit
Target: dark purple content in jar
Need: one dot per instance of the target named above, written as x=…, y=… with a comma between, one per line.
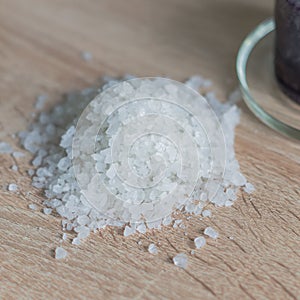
x=287, y=48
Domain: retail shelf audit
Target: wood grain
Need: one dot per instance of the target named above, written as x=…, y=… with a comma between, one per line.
x=41, y=42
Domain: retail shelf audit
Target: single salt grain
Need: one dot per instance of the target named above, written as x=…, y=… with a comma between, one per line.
x=199, y=242
x=32, y=206
x=47, y=211
x=206, y=213
x=60, y=253
x=87, y=56
x=30, y=172
x=41, y=101
x=152, y=249
x=5, y=148
x=193, y=252
x=211, y=233
x=64, y=236
x=249, y=188
x=76, y=241
x=128, y=231
x=14, y=168
x=142, y=228
x=180, y=260
x=17, y=154
x=12, y=187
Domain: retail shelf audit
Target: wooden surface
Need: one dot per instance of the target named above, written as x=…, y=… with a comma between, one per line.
x=41, y=42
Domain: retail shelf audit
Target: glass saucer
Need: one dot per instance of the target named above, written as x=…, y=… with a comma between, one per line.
x=261, y=92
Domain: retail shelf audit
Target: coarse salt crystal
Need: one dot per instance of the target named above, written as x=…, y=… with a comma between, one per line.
x=200, y=242
x=47, y=211
x=18, y=154
x=60, y=253
x=76, y=241
x=152, y=249
x=5, y=148
x=180, y=260
x=14, y=168
x=32, y=206
x=249, y=188
x=12, y=187
x=128, y=231
x=206, y=213
x=209, y=231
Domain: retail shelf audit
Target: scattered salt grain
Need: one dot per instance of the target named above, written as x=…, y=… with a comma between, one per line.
x=128, y=231
x=249, y=188
x=64, y=236
x=47, y=211
x=199, y=242
x=14, y=168
x=30, y=172
x=193, y=252
x=87, y=56
x=12, y=187
x=211, y=233
x=206, y=213
x=152, y=249
x=5, y=148
x=17, y=154
x=32, y=206
x=76, y=241
x=180, y=260
x=41, y=101
x=60, y=253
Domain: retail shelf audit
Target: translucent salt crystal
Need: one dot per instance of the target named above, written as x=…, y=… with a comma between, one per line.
x=76, y=241
x=142, y=228
x=87, y=56
x=199, y=242
x=32, y=206
x=128, y=231
x=12, y=187
x=47, y=211
x=30, y=172
x=40, y=101
x=82, y=231
x=193, y=252
x=5, y=148
x=152, y=249
x=206, y=213
x=17, y=154
x=14, y=168
x=83, y=220
x=64, y=236
x=211, y=233
x=180, y=260
x=249, y=188
x=60, y=253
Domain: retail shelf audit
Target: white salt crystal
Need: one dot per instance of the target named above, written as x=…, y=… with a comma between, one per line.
x=249, y=188
x=41, y=101
x=32, y=206
x=83, y=220
x=12, y=187
x=152, y=249
x=17, y=154
x=76, y=241
x=30, y=172
x=5, y=148
x=64, y=236
x=14, y=168
x=199, y=242
x=180, y=260
x=211, y=233
x=128, y=231
x=47, y=211
x=87, y=56
x=142, y=228
x=193, y=252
x=60, y=253
x=206, y=213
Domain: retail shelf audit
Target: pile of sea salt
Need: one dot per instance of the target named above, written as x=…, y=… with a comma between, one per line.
x=50, y=139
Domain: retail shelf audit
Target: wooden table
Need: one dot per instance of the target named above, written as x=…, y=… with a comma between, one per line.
x=41, y=45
